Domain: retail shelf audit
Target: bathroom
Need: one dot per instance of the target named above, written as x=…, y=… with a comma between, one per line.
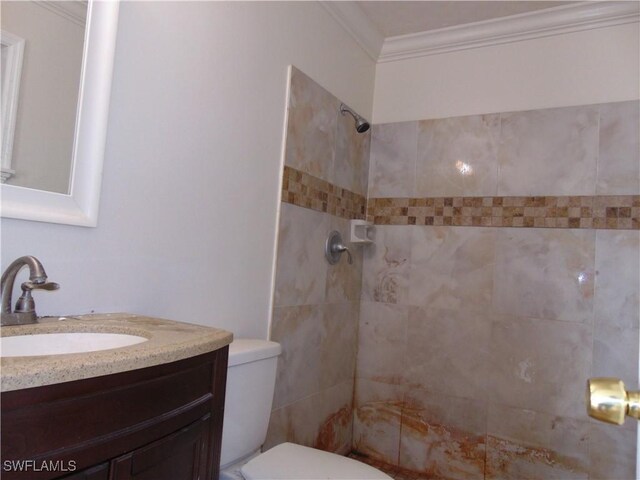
x=452, y=350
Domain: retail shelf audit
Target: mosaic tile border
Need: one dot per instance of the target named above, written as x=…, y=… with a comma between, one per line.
x=620, y=212
x=304, y=190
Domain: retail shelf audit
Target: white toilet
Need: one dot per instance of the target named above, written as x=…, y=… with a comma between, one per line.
x=251, y=378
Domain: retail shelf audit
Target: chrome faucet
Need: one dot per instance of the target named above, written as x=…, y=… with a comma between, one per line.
x=25, y=311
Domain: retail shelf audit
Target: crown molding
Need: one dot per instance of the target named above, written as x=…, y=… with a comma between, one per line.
x=76, y=12
x=514, y=28
x=351, y=17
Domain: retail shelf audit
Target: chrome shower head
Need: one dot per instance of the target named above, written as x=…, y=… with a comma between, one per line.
x=361, y=124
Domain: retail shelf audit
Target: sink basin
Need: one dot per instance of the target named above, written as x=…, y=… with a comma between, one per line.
x=61, y=343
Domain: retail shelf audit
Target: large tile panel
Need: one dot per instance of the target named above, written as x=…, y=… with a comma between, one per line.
x=301, y=331
x=540, y=365
x=458, y=156
x=351, y=164
x=385, y=273
x=615, y=351
x=443, y=436
x=311, y=130
x=301, y=269
x=619, y=159
x=613, y=452
x=382, y=342
x=377, y=418
x=617, y=293
x=451, y=267
x=549, y=152
x=448, y=351
x=339, y=346
x=545, y=273
x=394, y=149
x=322, y=420
x=523, y=444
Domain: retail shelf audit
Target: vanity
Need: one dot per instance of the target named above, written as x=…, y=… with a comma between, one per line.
x=151, y=410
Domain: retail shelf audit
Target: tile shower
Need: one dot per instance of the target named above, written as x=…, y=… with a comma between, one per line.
x=316, y=307
x=505, y=272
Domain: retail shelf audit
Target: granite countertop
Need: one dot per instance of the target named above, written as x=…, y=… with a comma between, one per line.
x=167, y=342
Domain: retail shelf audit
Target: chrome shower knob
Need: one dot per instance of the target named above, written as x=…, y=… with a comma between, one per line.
x=333, y=248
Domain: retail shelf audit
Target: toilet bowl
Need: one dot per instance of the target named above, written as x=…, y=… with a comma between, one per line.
x=251, y=379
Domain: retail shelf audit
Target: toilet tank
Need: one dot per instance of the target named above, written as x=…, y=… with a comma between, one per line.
x=251, y=379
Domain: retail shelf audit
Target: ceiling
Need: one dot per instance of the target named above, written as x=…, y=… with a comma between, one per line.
x=393, y=18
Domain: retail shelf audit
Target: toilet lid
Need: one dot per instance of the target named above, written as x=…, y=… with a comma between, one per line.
x=289, y=461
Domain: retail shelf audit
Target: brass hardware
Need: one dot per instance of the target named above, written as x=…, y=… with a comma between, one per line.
x=609, y=401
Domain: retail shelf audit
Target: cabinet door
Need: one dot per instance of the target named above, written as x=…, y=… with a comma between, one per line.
x=99, y=472
x=179, y=456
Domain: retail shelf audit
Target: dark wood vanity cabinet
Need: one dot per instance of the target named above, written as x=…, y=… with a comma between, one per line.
x=156, y=423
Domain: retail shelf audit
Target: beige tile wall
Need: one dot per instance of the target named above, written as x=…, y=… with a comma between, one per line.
x=568, y=151
x=316, y=305
x=475, y=342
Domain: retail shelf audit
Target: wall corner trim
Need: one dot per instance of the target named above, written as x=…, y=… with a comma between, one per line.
x=351, y=17
x=75, y=12
x=525, y=26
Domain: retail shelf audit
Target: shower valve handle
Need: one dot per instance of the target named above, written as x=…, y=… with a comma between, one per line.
x=334, y=247
x=341, y=248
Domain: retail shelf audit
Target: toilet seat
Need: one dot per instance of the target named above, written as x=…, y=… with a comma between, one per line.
x=289, y=461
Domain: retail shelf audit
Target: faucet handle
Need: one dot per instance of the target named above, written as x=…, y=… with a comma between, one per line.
x=28, y=286
x=25, y=303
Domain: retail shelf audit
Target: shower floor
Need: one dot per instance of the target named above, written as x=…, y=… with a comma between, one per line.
x=393, y=471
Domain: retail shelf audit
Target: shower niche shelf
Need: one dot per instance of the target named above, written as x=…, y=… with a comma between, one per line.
x=361, y=232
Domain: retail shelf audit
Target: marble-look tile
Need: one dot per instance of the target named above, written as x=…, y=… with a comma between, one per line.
x=385, y=273
x=394, y=149
x=508, y=460
x=613, y=452
x=619, y=159
x=443, y=436
x=615, y=354
x=301, y=269
x=448, y=351
x=545, y=273
x=311, y=129
x=335, y=411
x=376, y=421
x=344, y=280
x=528, y=444
x=540, y=365
x=549, y=152
x=322, y=420
x=617, y=293
x=301, y=331
x=458, y=156
x=351, y=164
x=382, y=342
x=339, y=345
x=279, y=428
x=451, y=267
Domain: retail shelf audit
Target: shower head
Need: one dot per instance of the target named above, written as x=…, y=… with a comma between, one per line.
x=361, y=124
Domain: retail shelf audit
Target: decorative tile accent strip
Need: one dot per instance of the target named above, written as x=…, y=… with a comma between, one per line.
x=300, y=188
x=620, y=212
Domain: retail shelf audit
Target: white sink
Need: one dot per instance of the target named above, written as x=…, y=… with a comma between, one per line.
x=60, y=343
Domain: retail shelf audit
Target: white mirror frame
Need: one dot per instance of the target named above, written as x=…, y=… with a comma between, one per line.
x=80, y=205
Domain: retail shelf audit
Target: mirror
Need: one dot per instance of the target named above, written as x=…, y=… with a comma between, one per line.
x=52, y=164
